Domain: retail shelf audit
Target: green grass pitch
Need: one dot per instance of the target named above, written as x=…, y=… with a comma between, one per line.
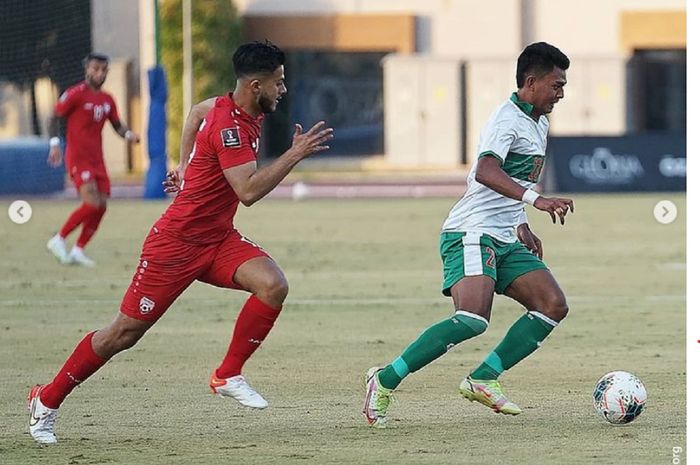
x=365, y=281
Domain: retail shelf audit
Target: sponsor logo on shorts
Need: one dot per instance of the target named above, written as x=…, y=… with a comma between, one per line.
x=146, y=305
x=85, y=175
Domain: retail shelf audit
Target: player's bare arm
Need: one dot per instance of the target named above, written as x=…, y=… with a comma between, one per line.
x=251, y=184
x=55, y=154
x=195, y=117
x=126, y=133
x=490, y=174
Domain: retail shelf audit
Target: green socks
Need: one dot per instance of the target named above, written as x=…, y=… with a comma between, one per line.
x=430, y=345
x=522, y=339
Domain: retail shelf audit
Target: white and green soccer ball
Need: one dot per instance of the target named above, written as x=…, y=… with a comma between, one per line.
x=619, y=397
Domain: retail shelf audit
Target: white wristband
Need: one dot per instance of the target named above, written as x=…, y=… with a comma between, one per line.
x=54, y=142
x=529, y=196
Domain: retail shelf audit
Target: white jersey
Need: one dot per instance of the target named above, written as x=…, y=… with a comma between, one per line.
x=519, y=142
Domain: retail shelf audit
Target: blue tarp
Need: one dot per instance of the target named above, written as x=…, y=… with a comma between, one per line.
x=23, y=168
x=158, y=166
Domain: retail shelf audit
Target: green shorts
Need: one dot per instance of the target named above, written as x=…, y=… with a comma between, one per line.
x=475, y=254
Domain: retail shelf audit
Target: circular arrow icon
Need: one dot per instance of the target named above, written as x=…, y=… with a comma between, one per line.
x=665, y=212
x=20, y=211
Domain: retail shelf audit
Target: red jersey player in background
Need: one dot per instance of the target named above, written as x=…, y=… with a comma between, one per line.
x=195, y=238
x=85, y=108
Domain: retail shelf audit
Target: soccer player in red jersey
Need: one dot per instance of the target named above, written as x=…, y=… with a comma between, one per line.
x=195, y=239
x=86, y=108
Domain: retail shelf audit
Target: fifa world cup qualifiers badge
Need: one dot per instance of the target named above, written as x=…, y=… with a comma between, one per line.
x=230, y=137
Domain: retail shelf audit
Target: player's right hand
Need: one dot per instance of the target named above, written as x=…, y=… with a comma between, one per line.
x=173, y=181
x=312, y=141
x=55, y=157
x=555, y=206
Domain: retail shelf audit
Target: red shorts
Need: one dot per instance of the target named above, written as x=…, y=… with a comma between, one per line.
x=84, y=174
x=168, y=266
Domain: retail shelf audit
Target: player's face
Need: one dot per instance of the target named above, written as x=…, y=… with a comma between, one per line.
x=96, y=73
x=272, y=89
x=548, y=90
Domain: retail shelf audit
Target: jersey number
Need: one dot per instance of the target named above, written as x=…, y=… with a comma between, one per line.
x=491, y=261
x=537, y=164
x=97, y=113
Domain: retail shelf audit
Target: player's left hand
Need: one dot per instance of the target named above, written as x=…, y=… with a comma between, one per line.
x=530, y=240
x=132, y=137
x=173, y=180
x=555, y=206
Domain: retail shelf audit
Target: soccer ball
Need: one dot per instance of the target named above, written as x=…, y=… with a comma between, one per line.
x=619, y=397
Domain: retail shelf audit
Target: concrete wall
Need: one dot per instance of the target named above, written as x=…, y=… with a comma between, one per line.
x=115, y=149
x=443, y=27
x=591, y=28
x=115, y=32
x=598, y=36
x=593, y=103
x=423, y=108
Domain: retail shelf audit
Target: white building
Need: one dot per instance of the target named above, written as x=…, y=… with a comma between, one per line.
x=414, y=80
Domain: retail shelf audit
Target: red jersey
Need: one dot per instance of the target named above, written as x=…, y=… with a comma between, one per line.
x=86, y=111
x=203, y=210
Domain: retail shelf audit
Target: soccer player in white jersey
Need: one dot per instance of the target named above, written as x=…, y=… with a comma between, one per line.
x=487, y=246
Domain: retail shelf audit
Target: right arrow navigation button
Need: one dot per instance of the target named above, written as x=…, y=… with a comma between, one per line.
x=665, y=212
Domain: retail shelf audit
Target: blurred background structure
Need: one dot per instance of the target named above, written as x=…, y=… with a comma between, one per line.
x=406, y=84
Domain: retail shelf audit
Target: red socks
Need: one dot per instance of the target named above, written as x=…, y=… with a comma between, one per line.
x=252, y=326
x=87, y=215
x=254, y=322
x=76, y=218
x=90, y=224
x=82, y=363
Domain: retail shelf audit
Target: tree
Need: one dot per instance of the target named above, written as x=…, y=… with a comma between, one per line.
x=216, y=33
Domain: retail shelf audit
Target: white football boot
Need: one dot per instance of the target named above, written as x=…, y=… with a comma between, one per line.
x=78, y=257
x=239, y=389
x=42, y=419
x=57, y=246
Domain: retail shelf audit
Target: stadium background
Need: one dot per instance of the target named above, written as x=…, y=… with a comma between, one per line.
x=407, y=85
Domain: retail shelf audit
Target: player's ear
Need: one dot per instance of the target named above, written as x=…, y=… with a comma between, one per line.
x=255, y=86
x=530, y=81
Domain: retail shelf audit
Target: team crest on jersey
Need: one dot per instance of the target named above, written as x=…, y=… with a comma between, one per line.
x=230, y=137
x=146, y=305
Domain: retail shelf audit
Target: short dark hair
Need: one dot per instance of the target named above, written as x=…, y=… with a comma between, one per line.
x=257, y=57
x=95, y=56
x=539, y=58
